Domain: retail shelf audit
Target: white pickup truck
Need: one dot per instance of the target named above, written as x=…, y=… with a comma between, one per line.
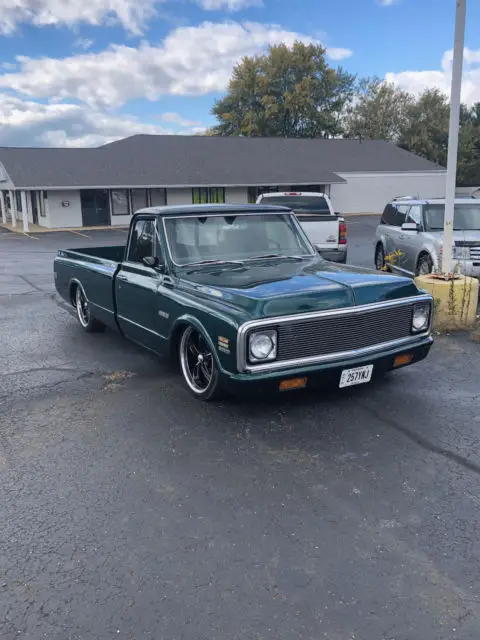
x=326, y=230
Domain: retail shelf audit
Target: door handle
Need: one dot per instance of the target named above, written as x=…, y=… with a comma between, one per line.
x=122, y=278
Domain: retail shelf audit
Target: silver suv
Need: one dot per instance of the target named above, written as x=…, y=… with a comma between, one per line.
x=414, y=229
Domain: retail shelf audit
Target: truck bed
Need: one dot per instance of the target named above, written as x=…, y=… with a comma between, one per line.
x=95, y=268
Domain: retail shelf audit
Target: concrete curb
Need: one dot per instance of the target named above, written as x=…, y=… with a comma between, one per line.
x=36, y=229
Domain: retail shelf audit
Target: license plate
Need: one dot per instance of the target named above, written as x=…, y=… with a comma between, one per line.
x=360, y=375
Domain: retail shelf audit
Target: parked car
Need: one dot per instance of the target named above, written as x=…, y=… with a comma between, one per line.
x=414, y=228
x=238, y=294
x=326, y=229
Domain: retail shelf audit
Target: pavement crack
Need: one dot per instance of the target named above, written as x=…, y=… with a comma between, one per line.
x=30, y=283
x=37, y=370
x=424, y=442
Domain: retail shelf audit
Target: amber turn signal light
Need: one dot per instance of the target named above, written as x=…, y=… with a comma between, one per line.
x=404, y=358
x=293, y=383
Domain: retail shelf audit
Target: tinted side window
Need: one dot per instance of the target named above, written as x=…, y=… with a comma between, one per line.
x=394, y=214
x=389, y=214
x=142, y=243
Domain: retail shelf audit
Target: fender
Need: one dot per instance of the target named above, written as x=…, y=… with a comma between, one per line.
x=189, y=319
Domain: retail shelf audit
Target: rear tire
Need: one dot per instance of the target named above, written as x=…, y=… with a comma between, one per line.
x=379, y=258
x=84, y=315
x=424, y=265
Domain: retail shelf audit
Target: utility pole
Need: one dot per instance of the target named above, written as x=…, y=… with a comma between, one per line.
x=455, y=100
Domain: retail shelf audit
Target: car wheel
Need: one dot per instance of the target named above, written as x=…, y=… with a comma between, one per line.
x=84, y=315
x=379, y=258
x=425, y=265
x=199, y=368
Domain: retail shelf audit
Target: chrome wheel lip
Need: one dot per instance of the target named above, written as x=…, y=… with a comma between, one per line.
x=202, y=370
x=81, y=304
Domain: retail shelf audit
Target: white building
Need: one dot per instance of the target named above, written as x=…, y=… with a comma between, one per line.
x=72, y=188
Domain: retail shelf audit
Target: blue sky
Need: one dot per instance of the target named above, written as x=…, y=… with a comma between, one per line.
x=76, y=73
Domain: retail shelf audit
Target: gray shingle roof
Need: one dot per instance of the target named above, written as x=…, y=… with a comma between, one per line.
x=144, y=160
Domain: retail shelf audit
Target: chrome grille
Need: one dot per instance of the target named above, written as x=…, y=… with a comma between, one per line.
x=323, y=336
x=475, y=253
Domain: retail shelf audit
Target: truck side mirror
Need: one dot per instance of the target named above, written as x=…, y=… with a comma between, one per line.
x=150, y=261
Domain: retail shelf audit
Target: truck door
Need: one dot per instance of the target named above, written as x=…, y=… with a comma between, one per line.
x=136, y=286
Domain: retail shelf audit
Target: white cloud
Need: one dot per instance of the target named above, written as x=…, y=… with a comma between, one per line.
x=190, y=61
x=337, y=53
x=417, y=81
x=28, y=123
x=176, y=118
x=133, y=15
x=228, y=5
x=82, y=43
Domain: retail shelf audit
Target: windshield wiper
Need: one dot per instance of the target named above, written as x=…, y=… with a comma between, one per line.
x=277, y=255
x=202, y=262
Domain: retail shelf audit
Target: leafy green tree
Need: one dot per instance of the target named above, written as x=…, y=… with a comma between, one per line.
x=380, y=111
x=426, y=131
x=288, y=92
x=468, y=168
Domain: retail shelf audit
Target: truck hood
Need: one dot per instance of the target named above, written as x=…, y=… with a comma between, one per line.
x=472, y=237
x=275, y=288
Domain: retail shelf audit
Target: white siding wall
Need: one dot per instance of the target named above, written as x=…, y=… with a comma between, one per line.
x=179, y=196
x=236, y=195
x=58, y=216
x=120, y=221
x=369, y=193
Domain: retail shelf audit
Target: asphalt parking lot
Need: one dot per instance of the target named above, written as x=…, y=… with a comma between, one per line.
x=131, y=511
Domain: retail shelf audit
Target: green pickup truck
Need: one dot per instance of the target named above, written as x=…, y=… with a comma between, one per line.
x=241, y=297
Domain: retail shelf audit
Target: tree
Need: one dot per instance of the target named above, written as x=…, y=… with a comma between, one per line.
x=426, y=133
x=288, y=92
x=380, y=111
x=468, y=168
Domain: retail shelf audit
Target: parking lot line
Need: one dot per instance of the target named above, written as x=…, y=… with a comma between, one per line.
x=29, y=236
x=78, y=233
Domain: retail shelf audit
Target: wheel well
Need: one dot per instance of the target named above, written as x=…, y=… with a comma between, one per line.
x=175, y=338
x=422, y=254
x=73, y=292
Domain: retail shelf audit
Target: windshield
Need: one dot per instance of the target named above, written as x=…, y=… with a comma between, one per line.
x=234, y=237
x=307, y=204
x=466, y=217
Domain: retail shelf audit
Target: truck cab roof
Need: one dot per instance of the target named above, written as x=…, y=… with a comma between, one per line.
x=206, y=209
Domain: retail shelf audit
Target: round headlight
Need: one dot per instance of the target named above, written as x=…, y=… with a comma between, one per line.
x=421, y=317
x=261, y=345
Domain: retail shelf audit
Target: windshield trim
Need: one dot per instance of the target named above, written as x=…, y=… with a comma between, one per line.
x=287, y=212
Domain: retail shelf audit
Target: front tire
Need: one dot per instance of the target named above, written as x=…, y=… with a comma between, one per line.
x=198, y=365
x=425, y=265
x=84, y=315
x=379, y=258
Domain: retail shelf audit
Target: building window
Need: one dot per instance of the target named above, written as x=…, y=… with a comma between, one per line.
x=316, y=188
x=158, y=197
x=139, y=199
x=120, y=203
x=18, y=200
x=254, y=192
x=205, y=195
x=41, y=203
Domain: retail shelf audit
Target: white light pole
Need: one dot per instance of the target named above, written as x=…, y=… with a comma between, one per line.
x=455, y=100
